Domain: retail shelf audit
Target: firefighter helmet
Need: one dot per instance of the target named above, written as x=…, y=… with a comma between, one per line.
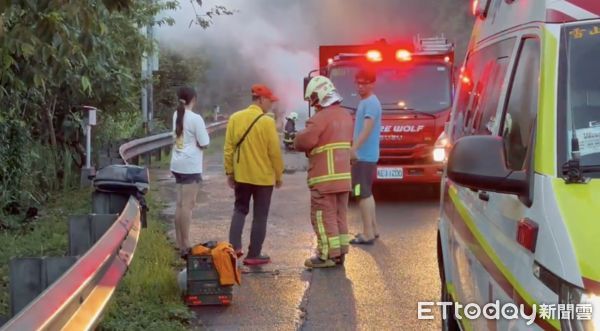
x=293, y=116
x=321, y=91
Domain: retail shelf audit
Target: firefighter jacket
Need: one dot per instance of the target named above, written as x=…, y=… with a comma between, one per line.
x=326, y=140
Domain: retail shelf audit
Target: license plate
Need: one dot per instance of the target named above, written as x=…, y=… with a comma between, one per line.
x=390, y=173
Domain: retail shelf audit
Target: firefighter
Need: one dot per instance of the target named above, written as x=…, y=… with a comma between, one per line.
x=326, y=141
x=289, y=132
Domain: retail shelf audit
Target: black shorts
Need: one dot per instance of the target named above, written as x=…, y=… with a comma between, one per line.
x=363, y=174
x=187, y=178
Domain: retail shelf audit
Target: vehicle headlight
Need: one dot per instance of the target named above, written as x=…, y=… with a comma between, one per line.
x=586, y=309
x=439, y=148
x=439, y=154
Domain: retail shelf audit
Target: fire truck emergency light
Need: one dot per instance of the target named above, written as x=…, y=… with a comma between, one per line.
x=403, y=55
x=374, y=56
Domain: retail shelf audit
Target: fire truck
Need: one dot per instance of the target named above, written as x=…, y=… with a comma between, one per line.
x=415, y=87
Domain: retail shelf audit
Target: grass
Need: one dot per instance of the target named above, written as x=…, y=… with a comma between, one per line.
x=45, y=236
x=148, y=297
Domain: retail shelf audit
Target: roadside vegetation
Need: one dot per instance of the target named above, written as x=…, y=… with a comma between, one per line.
x=148, y=298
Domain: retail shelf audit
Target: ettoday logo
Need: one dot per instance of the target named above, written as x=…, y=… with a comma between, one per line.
x=509, y=311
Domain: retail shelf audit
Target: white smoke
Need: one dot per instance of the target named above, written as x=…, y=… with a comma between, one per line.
x=276, y=41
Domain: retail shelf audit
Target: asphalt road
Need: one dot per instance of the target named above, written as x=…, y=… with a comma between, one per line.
x=378, y=289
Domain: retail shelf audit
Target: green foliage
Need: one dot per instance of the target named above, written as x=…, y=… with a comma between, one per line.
x=177, y=69
x=56, y=56
x=45, y=236
x=148, y=298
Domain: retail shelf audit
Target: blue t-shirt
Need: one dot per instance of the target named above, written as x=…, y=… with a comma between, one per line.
x=368, y=108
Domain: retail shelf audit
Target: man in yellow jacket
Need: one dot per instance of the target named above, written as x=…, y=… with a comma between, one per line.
x=253, y=165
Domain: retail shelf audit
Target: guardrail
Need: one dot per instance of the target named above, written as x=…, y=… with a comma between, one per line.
x=77, y=300
x=133, y=149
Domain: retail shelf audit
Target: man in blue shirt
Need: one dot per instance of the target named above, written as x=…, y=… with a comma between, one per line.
x=365, y=151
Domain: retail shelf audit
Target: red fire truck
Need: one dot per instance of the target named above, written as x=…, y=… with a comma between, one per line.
x=415, y=87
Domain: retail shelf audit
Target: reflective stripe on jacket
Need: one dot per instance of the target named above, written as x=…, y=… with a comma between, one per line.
x=327, y=141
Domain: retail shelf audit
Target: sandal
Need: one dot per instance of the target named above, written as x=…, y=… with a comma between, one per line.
x=359, y=239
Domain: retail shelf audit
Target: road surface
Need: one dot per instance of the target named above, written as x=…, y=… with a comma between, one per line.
x=378, y=289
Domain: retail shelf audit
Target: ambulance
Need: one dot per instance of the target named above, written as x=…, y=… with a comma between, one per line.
x=520, y=205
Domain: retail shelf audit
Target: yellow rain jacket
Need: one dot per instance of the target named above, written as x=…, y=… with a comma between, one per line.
x=258, y=160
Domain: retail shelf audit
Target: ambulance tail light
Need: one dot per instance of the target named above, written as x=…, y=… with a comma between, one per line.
x=403, y=55
x=374, y=56
x=527, y=232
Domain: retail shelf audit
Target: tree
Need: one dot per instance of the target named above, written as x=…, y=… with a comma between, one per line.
x=177, y=69
x=55, y=57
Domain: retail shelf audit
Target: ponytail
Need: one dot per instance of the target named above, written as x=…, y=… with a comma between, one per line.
x=186, y=95
x=179, y=118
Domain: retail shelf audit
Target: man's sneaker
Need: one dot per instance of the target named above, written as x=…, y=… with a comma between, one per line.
x=339, y=260
x=316, y=262
x=258, y=260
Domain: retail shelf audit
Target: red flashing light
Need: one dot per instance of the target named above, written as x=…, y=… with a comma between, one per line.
x=474, y=7
x=330, y=61
x=403, y=55
x=466, y=80
x=374, y=56
x=447, y=59
x=527, y=232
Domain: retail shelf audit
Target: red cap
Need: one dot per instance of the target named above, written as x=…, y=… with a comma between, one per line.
x=263, y=91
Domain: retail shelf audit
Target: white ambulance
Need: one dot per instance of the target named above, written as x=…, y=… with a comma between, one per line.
x=520, y=204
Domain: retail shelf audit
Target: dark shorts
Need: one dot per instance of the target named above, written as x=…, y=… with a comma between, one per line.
x=187, y=178
x=363, y=174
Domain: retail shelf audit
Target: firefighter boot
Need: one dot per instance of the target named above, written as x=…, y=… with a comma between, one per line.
x=317, y=262
x=339, y=260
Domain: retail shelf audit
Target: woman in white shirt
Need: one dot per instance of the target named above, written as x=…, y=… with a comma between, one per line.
x=191, y=138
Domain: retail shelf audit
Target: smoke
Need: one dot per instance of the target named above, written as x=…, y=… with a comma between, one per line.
x=276, y=42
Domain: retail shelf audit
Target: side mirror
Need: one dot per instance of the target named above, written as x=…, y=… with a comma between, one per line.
x=478, y=162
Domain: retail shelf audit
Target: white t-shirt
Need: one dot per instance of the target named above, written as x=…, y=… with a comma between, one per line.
x=186, y=157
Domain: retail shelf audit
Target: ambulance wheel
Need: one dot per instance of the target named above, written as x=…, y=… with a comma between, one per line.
x=450, y=323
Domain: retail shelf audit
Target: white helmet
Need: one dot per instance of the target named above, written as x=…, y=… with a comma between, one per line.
x=293, y=116
x=320, y=90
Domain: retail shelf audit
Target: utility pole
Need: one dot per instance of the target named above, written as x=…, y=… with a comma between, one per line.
x=149, y=64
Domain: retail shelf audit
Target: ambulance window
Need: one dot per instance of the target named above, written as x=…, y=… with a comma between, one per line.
x=522, y=104
x=484, y=67
x=485, y=119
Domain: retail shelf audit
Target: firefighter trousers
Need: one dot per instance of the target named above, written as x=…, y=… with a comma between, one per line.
x=328, y=218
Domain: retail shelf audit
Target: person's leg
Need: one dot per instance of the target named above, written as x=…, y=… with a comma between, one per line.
x=373, y=175
x=366, y=206
x=262, y=202
x=362, y=179
x=342, y=221
x=330, y=223
x=374, y=218
x=318, y=209
x=190, y=193
x=178, y=214
x=240, y=210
